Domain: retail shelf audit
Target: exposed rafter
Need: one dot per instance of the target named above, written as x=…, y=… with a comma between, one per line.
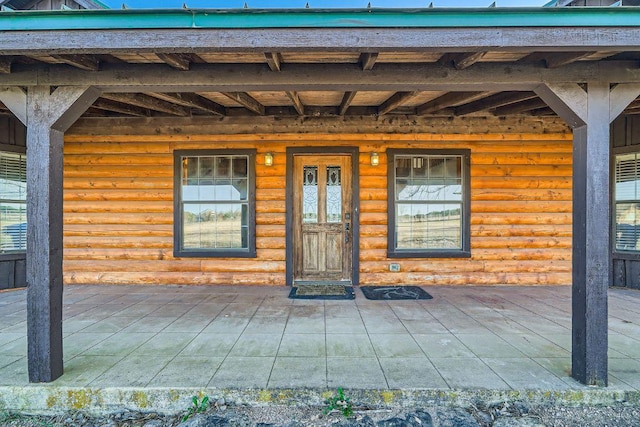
x=545, y=112
x=117, y=107
x=555, y=60
x=274, y=59
x=179, y=61
x=247, y=101
x=395, y=101
x=5, y=65
x=346, y=102
x=149, y=102
x=520, y=107
x=493, y=101
x=460, y=61
x=368, y=60
x=191, y=100
x=448, y=100
x=297, y=104
x=84, y=62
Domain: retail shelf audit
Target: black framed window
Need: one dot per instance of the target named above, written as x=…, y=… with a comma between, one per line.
x=428, y=203
x=627, y=202
x=13, y=202
x=214, y=193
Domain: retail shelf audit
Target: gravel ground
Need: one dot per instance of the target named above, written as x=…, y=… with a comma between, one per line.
x=503, y=415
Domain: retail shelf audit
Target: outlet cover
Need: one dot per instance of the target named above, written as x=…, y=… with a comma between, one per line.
x=394, y=266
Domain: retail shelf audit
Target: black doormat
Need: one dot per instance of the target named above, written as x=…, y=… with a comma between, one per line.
x=328, y=292
x=394, y=292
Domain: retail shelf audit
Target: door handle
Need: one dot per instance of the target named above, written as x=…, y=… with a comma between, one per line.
x=347, y=228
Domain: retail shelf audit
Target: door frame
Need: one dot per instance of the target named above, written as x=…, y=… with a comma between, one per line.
x=354, y=152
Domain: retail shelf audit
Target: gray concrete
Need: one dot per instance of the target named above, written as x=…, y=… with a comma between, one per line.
x=500, y=339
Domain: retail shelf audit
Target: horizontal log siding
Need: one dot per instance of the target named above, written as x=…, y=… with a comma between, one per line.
x=119, y=210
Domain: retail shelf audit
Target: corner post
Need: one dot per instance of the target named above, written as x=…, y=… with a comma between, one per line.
x=591, y=240
x=48, y=114
x=590, y=112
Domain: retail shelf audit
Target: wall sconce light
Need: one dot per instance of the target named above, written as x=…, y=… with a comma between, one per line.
x=268, y=159
x=375, y=159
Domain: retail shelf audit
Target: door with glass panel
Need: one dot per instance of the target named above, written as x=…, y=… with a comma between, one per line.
x=322, y=218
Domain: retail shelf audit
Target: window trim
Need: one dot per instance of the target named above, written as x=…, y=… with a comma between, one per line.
x=14, y=149
x=178, y=251
x=633, y=254
x=465, y=252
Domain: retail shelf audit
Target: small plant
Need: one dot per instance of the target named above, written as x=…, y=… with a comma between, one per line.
x=197, y=407
x=339, y=402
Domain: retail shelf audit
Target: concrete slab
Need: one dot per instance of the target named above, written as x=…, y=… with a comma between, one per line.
x=165, y=342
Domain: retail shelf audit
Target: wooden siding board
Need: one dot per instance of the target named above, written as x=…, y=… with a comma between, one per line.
x=119, y=215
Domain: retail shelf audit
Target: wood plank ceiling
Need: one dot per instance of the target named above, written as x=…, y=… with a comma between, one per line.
x=317, y=103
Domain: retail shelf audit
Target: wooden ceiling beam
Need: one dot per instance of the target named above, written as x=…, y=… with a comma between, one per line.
x=346, y=102
x=493, y=101
x=117, y=107
x=148, y=102
x=179, y=61
x=191, y=100
x=395, y=101
x=461, y=61
x=466, y=60
x=5, y=64
x=520, y=107
x=297, y=104
x=247, y=101
x=83, y=62
x=542, y=112
x=274, y=60
x=484, y=76
x=448, y=100
x=555, y=60
x=368, y=60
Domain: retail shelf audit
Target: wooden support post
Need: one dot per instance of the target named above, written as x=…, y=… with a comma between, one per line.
x=590, y=113
x=49, y=114
x=591, y=237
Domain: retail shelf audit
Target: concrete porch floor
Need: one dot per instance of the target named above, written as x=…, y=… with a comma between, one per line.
x=465, y=338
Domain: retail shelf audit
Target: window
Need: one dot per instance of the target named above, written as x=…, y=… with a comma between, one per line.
x=214, y=203
x=428, y=203
x=13, y=202
x=627, y=201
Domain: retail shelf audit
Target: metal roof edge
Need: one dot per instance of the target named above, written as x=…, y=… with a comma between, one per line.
x=113, y=19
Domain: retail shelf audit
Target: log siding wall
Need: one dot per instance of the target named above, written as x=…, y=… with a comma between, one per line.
x=118, y=210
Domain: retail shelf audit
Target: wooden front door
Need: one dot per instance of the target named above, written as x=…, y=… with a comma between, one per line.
x=322, y=215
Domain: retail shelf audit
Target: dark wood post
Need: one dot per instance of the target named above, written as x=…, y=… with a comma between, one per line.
x=590, y=113
x=49, y=114
x=591, y=240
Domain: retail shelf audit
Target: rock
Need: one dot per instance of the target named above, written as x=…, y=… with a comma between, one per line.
x=456, y=418
x=211, y=420
x=394, y=422
x=420, y=418
x=154, y=423
x=484, y=417
x=365, y=421
x=517, y=422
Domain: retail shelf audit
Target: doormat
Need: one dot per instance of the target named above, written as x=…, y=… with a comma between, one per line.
x=394, y=292
x=329, y=292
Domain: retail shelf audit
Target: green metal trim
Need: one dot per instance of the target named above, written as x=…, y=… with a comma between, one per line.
x=320, y=18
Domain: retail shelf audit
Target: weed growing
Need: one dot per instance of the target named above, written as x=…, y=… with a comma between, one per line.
x=339, y=402
x=197, y=407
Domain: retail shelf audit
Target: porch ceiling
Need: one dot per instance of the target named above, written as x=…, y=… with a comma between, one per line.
x=258, y=74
